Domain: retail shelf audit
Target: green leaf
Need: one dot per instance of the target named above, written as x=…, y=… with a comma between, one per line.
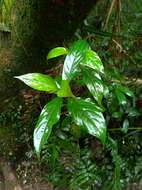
x=117, y=115
x=113, y=146
x=48, y=117
x=132, y=112
x=94, y=83
x=39, y=82
x=93, y=61
x=75, y=56
x=125, y=126
x=121, y=97
x=88, y=115
x=65, y=90
x=123, y=89
x=58, y=51
x=126, y=91
x=75, y=131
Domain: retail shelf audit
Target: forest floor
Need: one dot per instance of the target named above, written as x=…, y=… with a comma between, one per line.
x=10, y=181
x=20, y=174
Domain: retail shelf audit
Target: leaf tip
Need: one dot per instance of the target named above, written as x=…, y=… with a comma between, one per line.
x=17, y=77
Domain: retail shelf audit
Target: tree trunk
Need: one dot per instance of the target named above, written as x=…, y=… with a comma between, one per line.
x=40, y=25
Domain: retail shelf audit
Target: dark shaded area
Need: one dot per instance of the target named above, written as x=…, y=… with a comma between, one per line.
x=42, y=25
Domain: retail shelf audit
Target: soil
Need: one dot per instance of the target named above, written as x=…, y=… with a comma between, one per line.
x=10, y=181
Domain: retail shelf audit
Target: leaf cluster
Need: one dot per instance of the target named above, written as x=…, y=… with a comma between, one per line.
x=80, y=61
x=106, y=96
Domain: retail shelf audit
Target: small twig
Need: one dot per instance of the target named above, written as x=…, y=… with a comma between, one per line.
x=125, y=52
x=90, y=36
x=131, y=128
x=131, y=133
x=109, y=14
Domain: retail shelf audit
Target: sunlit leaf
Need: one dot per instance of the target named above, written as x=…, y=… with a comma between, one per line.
x=75, y=56
x=48, y=117
x=93, y=61
x=58, y=51
x=39, y=82
x=87, y=114
x=94, y=83
x=65, y=90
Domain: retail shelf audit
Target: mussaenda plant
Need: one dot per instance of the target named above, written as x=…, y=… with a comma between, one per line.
x=80, y=62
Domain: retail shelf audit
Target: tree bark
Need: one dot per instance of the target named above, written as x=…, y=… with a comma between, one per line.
x=42, y=25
